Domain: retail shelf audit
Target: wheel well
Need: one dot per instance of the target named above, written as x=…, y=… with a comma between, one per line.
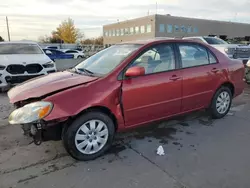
x=102, y=109
x=230, y=86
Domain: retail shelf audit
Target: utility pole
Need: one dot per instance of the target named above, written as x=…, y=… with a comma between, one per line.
x=7, y=23
x=156, y=7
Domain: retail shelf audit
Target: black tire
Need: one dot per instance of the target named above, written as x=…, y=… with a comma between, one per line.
x=69, y=135
x=214, y=112
x=79, y=57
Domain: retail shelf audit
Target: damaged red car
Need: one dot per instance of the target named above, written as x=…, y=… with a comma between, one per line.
x=124, y=86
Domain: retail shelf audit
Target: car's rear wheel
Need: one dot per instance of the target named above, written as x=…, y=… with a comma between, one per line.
x=79, y=57
x=89, y=136
x=221, y=102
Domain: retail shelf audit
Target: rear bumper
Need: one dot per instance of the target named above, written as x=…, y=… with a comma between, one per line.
x=239, y=88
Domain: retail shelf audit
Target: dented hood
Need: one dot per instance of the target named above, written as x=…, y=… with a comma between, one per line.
x=44, y=85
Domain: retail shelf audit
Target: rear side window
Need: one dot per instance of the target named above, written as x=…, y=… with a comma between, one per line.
x=212, y=59
x=193, y=55
x=19, y=49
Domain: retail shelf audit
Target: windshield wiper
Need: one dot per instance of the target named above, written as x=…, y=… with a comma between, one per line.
x=80, y=70
x=85, y=70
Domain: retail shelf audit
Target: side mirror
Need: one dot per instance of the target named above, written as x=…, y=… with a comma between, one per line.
x=135, y=71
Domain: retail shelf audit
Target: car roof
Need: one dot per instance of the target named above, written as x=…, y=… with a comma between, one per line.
x=51, y=49
x=156, y=40
x=64, y=50
x=200, y=37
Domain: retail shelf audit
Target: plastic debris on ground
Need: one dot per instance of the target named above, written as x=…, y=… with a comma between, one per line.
x=160, y=151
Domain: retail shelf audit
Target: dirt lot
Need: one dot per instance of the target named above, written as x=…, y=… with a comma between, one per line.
x=199, y=152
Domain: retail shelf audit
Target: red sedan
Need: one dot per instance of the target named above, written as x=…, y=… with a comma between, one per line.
x=124, y=86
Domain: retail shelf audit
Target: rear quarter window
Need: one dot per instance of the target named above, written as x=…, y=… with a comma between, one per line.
x=193, y=55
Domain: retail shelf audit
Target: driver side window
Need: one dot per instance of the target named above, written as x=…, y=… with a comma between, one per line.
x=159, y=58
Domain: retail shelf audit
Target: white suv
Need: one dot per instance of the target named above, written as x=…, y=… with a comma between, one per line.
x=20, y=61
x=236, y=51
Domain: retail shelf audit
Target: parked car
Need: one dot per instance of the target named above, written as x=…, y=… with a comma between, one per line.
x=57, y=54
x=20, y=61
x=52, y=47
x=77, y=54
x=103, y=94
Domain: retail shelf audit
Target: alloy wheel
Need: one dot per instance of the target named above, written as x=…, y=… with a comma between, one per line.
x=91, y=137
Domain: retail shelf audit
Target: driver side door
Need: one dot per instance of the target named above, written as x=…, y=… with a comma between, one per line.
x=157, y=94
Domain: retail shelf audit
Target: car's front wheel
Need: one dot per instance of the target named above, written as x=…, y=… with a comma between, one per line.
x=221, y=102
x=89, y=136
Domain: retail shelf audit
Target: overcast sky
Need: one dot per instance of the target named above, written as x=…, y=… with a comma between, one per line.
x=29, y=19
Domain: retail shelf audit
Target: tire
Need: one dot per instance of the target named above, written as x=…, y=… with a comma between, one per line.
x=220, y=109
x=79, y=57
x=79, y=137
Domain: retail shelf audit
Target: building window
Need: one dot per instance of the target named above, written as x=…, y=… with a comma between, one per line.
x=169, y=28
x=161, y=28
x=137, y=30
x=131, y=30
x=195, y=30
x=176, y=28
x=117, y=32
x=183, y=29
x=189, y=29
x=148, y=28
x=122, y=32
x=126, y=32
x=113, y=33
x=142, y=29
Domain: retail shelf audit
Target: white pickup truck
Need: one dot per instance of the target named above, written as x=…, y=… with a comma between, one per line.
x=235, y=51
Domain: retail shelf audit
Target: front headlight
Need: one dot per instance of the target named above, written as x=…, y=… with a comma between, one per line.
x=248, y=63
x=30, y=113
x=49, y=64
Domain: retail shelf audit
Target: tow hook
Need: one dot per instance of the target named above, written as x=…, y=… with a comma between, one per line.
x=36, y=132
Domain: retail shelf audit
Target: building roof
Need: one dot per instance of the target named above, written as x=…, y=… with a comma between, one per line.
x=201, y=19
x=176, y=17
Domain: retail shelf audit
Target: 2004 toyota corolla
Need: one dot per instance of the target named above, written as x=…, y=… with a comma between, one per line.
x=124, y=86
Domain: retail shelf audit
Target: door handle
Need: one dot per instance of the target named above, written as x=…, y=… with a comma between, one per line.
x=174, y=78
x=214, y=70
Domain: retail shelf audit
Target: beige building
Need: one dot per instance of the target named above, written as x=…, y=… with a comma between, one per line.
x=171, y=26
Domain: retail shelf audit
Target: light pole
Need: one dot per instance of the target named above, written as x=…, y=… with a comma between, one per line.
x=7, y=23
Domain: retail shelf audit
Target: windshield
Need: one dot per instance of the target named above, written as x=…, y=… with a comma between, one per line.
x=106, y=60
x=213, y=40
x=20, y=49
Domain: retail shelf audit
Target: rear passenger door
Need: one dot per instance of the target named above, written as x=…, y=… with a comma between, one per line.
x=200, y=72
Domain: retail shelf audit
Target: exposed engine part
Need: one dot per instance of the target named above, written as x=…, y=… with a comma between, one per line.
x=37, y=130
